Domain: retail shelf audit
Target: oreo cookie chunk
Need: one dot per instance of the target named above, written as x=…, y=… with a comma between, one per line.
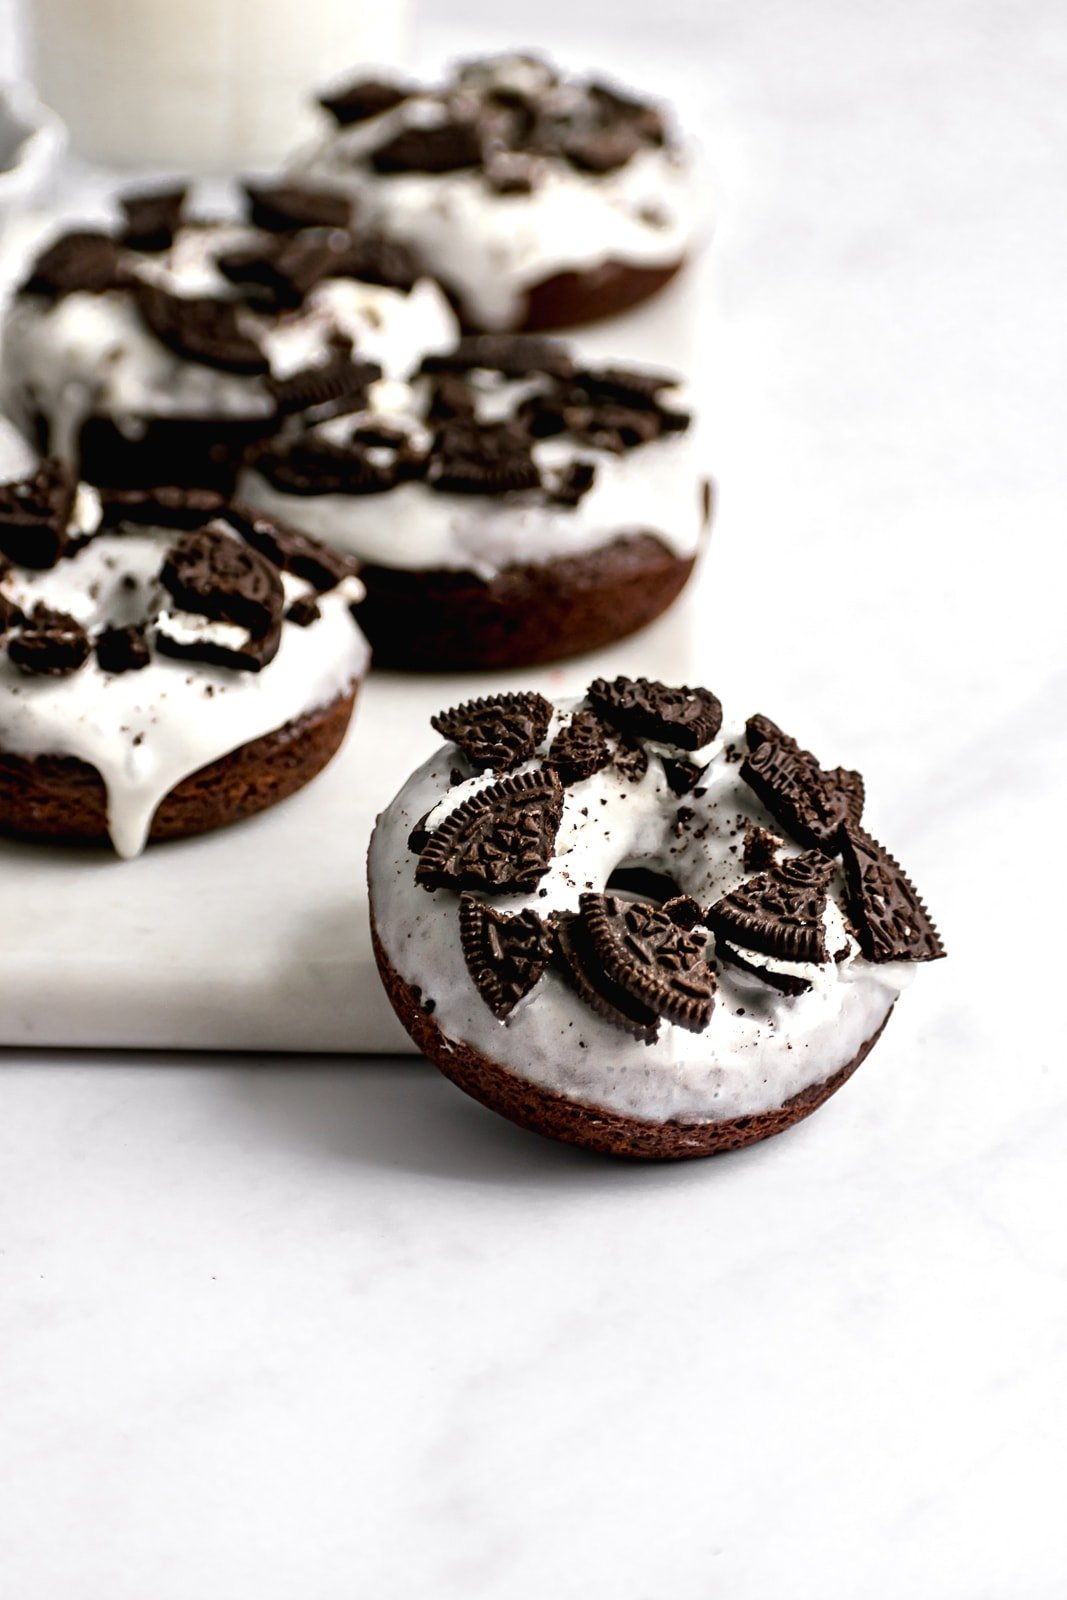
x=512, y=355
x=892, y=924
x=363, y=99
x=780, y=911
x=812, y=804
x=78, y=263
x=499, y=840
x=506, y=956
x=499, y=732
x=153, y=218
x=491, y=458
x=686, y=719
x=211, y=574
x=288, y=207
x=202, y=329
x=35, y=515
x=49, y=644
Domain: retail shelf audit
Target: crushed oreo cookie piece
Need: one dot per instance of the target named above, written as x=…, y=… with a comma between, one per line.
x=516, y=355
x=487, y=458
x=288, y=207
x=686, y=719
x=440, y=147
x=760, y=849
x=371, y=258
x=578, y=962
x=795, y=789
x=685, y=911
x=505, y=956
x=779, y=912
x=851, y=785
x=499, y=732
x=214, y=575
x=509, y=172
x=168, y=505
x=152, y=219
x=574, y=481
x=892, y=924
x=78, y=263
x=303, y=611
x=312, y=465
x=634, y=388
x=291, y=551
x=333, y=387
x=35, y=514
x=244, y=655
x=366, y=98
x=601, y=150
x=759, y=729
x=616, y=105
x=656, y=959
x=50, y=644
x=579, y=749
x=451, y=399
x=203, y=329
x=630, y=760
x=682, y=776
x=122, y=650
x=500, y=839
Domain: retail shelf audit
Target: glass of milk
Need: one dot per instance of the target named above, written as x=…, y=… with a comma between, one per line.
x=206, y=86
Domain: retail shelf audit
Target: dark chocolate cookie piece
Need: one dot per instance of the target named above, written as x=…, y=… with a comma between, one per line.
x=335, y=386
x=153, y=217
x=485, y=458
x=601, y=150
x=371, y=258
x=684, y=718
x=215, y=575
x=516, y=355
x=82, y=262
x=632, y=387
x=892, y=924
x=288, y=207
x=122, y=650
x=363, y=99
x=785, y=982
x=499, y=732
x=661, y=962
x=250, y=654
x=442, y=147
x=35, y=514
x=499, y=840
x=761, y=848
x=50, y=644
x=203, y=329
x=779, y=912
x=292, y=551
x=789, y=781
x=579, y=964
x=312, y=465
x=615, y=105
x=580, y=748
x=165, y=506
x=505, y=956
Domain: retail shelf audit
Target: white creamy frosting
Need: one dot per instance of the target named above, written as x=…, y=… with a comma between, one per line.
x=145, y=731
x=760, y=1046
x=653, y=488
x=86, y=354
x=491, y=248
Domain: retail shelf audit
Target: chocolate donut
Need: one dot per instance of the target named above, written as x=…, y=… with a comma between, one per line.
x=168, y=663
x=539, y=200
x=509, y=506
x=157, y=354
x=621, y=924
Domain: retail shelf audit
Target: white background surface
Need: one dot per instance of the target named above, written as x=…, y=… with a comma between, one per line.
x=289, y=1327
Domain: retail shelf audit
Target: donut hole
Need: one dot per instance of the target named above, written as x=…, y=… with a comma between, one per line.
x=645, y=884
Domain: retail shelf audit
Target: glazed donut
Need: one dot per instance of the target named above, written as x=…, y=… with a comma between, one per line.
x=510, y=505
x=159, y=353
x=620, y=924
x=167, y=663
x=539, y=201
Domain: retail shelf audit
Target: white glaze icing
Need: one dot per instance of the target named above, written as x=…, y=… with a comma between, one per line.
x=492, y=248
x=656, y=487
x=92, y=353
x=760, y=1046
x=145, y=731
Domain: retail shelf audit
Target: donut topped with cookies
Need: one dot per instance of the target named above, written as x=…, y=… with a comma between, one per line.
x=618, y=922
x=538, y=199
x=145, y=636
x=512, y=461
x=156, y=352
